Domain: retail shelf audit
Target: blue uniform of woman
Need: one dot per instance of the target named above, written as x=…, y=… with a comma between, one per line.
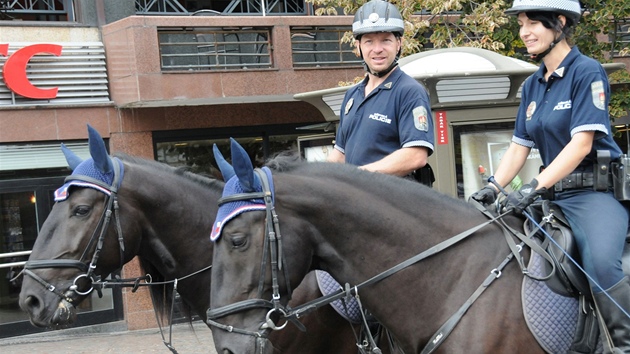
x=575, y=99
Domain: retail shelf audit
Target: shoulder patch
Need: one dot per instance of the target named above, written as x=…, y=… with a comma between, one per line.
x=421, y=119
x=598, y=94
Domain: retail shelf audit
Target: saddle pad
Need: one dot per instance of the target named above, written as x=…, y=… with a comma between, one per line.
x=327, y=285
x=551, y=318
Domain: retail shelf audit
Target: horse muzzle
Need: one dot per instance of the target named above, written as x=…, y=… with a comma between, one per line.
x=47, y=310
x=64, y=315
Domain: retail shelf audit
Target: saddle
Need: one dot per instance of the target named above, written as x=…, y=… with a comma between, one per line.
x=568, y=280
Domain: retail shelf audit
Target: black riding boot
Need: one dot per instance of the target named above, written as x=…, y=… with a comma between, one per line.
x=617, y=322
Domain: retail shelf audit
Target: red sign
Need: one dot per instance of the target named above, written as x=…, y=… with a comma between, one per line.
x=14, y=70
x=442, y=127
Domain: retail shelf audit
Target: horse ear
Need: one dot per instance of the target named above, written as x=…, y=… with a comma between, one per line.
x=242, y=166
x=98, y=151
x=226, y=169
x=73, y=159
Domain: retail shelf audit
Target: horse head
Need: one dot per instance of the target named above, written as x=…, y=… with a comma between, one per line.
x=75, y=238
x=241, y=283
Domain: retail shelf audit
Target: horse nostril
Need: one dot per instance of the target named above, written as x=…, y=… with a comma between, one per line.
x=31, y=302
x=227, y=351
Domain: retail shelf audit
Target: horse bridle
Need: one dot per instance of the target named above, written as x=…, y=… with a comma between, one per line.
x=272, y=251
x=73, y=292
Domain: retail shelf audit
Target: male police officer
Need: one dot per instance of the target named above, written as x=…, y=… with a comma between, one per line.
x=385, y=121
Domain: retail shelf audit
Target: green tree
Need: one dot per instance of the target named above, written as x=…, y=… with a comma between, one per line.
x=482, y=24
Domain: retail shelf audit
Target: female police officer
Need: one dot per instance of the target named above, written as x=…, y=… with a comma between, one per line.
x=564, y=113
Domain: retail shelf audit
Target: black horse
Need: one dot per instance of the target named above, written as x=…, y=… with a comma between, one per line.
x=356, y=225
x=162, y=215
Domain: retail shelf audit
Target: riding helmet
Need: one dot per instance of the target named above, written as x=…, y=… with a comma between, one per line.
x=569, y=8
x=377, y=16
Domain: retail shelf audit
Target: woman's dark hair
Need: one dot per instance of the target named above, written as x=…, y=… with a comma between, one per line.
x=550, y=20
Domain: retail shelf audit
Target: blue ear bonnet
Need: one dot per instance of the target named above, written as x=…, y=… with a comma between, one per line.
x=88, y=168
x=100, y=168
x=230, y=210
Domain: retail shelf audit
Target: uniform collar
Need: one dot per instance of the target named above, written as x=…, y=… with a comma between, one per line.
x=388, y=84
x=574, y=53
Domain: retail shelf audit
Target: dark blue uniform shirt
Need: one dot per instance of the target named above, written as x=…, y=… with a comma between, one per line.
x=394, y=115
x=573, y=100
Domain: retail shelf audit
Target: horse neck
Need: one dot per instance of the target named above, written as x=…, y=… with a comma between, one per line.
x=175, y=217
x=375, y=232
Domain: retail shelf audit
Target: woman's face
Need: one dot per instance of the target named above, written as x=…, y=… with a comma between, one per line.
x=537, y=38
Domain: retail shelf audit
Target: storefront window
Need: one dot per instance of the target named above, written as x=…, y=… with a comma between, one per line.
x=18, y=230
x=24, y=206
x=479, y=148
x=197, y=155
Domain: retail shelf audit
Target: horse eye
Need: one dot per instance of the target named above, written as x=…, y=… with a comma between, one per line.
x=238, y=241
x=81, y=210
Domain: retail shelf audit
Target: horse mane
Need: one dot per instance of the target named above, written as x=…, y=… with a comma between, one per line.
x=162, y=294
x=291, y=162
x=202, y=179
x=285, y=161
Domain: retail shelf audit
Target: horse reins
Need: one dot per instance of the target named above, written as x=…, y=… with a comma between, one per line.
x=96, y=241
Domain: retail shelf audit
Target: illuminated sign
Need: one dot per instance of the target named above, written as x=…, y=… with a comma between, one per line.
x=442, y=127
x=14, y=70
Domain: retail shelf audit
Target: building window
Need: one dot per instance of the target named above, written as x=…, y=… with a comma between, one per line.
x=37, y=10
x=321, y=47
x=215, y=49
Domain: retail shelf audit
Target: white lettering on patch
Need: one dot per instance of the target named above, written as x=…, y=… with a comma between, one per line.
x=380, y=117
x=562, y=105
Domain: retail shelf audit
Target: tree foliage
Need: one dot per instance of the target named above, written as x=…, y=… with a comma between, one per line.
x=483, y=24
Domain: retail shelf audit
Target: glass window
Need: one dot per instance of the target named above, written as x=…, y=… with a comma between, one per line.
x=479, y=148
x=197, y=155
x=24, y=206
x=18, y=230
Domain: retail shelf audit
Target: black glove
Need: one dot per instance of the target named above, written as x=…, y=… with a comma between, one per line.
x=521, y=199
x=486, y=195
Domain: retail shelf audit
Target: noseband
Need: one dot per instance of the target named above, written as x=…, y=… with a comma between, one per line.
x=273, y=252
x=73, y=292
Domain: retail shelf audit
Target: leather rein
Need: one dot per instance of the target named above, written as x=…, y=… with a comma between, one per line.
x=273, y=245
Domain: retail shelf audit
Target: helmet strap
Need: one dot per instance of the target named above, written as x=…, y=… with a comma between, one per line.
x=384, y=72
x=538, y=57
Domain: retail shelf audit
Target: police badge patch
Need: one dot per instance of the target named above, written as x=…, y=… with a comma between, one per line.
x=348, y=105
x=598, y=94
x=420, y=118
x=530, y=110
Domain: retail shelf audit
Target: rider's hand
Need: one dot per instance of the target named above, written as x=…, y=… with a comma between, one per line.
x=521, y=199
x=486, y=195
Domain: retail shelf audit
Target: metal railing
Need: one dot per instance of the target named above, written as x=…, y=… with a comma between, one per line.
x=62, y=10
x=215, y=49
x=234, y=7
x=321, y=47
x=11, y=255
x=620, y=38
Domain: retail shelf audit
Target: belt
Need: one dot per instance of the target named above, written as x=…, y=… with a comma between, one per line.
x=574, y=181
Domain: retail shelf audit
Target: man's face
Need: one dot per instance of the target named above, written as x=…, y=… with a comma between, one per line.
x=379, y=49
